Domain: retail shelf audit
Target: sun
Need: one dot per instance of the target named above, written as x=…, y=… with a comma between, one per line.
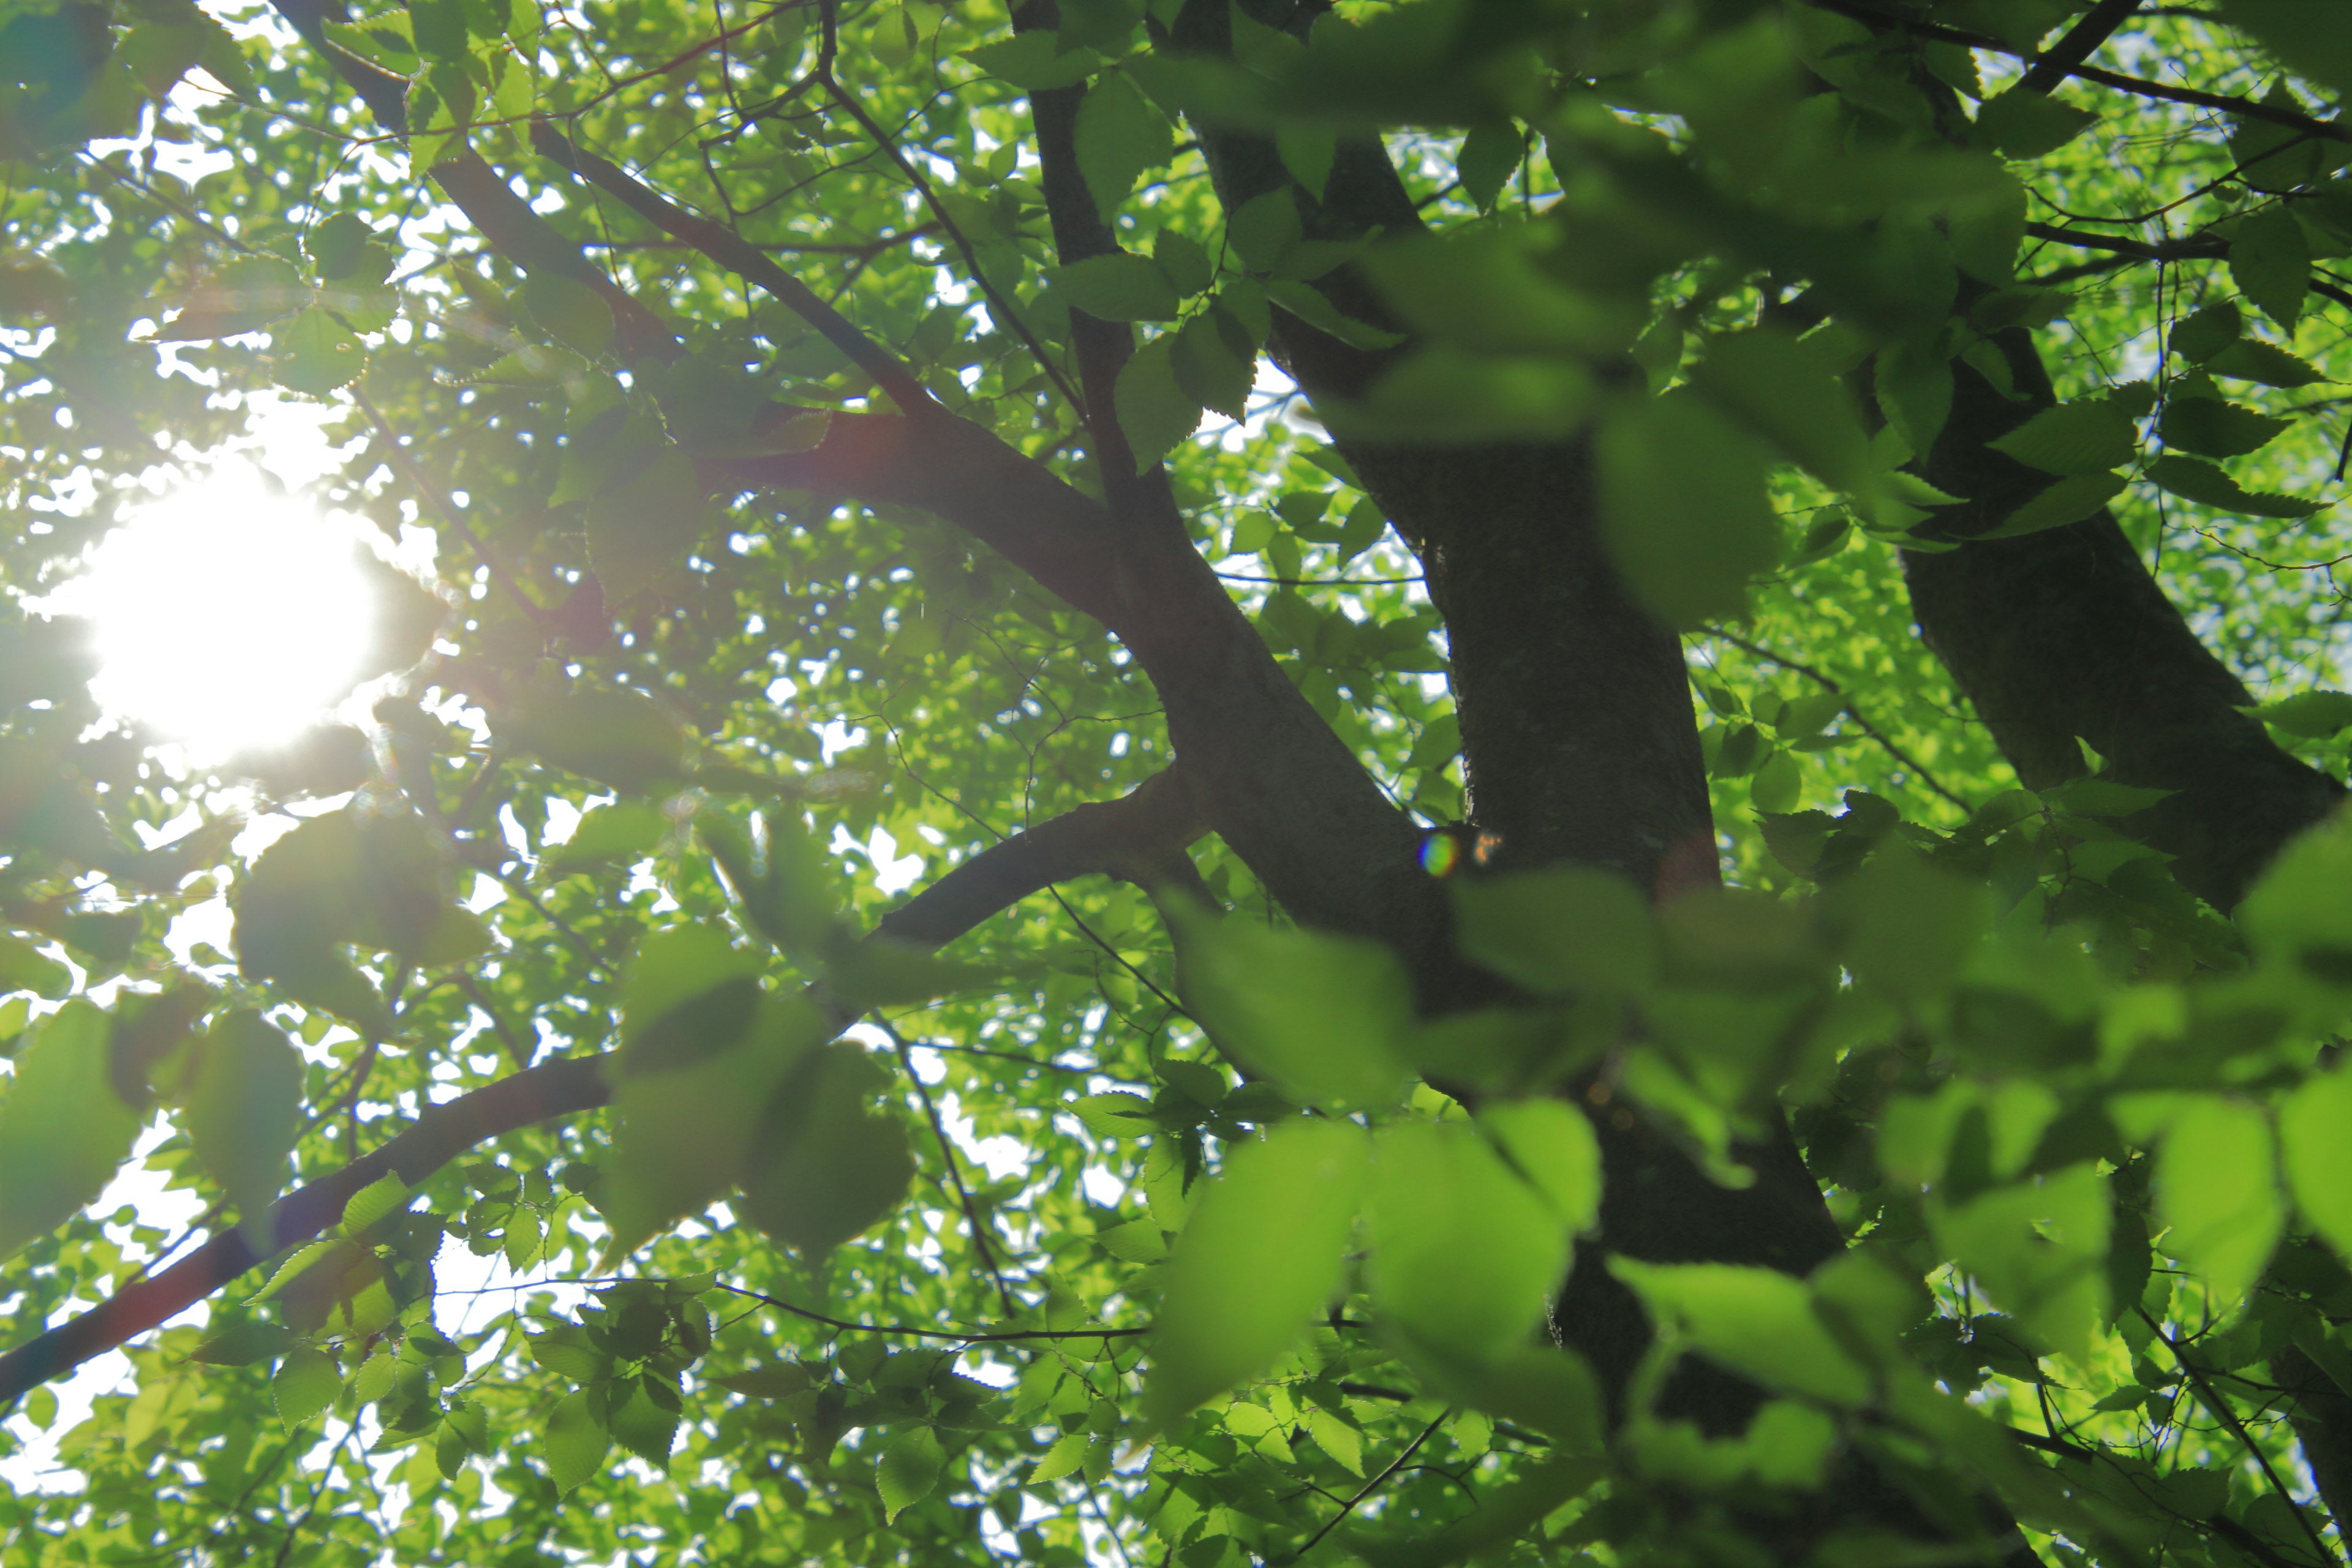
x=227, y=615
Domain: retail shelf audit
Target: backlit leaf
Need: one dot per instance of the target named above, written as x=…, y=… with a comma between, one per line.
x=62, y=1130
x=1260, y=1255
x=1465, y=1252
x=1321, y=1014
x=2217, y=1187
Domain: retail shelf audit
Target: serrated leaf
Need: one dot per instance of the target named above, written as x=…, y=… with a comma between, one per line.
x=1063, y=1458
x=2202, y=333
x=2309, y=715
x=908, y=1469
x=2070, y=500
x=1491, y=154
x=1336, y=1437
x=2078, y=437
x=2251, y=359
x=2212, y=428
x=641, y=1415
x=306, y=1382
x=1118, y=287
x=1307, y=154
x=576, y=1442
x=2193, y=478
x=1116, y=1115
x=1154, y=411
x=2270, y=261
x=373, y=1204
x=2025, y=124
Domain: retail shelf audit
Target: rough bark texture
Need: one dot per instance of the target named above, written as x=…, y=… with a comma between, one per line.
x=2063, y=634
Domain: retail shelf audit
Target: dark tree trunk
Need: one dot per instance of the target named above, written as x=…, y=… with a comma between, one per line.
x=2063, y=634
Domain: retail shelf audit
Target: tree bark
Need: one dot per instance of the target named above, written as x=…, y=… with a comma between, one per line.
x=2063, y=634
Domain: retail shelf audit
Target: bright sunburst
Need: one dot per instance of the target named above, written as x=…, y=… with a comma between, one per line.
x=227, y=615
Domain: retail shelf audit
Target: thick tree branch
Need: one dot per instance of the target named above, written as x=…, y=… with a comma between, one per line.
x=2063, y=635
x=1120, y=838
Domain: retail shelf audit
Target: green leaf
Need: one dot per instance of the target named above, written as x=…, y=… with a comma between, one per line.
x=2202, y=333
x=1336, y=1437
x=641, y=1415
x=1465, y=1253
x=567, y=311
x=1121, y=133
x=639, y=532
x=1756, y=1321
x=1308, y=303
x=1683, y=509
x=373, y=1204
x=2080, y=437
x=1553, y=1147
x=690, y=994
x=245, y=1112
x=2307, y=38
x=822, y=1168
x=2270, y=263
x=23, y=967
x=2217, y=1187
x=622, y=830
x=1036, y=60
x=624, y=739
x=2298, y=915
x=2308, y=715
x=1188, y=267
x=1307, y=154
x=1154, y=410
x=908, y=1469
x=1490, y=155
x=576, y=1442
x=1323, y=1016
x=2212, y=428
x=1261, y=1255
x=306, y=1382
x=1559, y=932
x=2193, y=478
x=2316, y=1141
x=1118, y=287
x=1908, y=924
x=1264, y=229
x=685, y=1134
x=879, y=972
x=242, y=1344
x=62, y=1130
x=1778, y=386
x=1215, y=363
x=2024, y=124
x=2251, y=359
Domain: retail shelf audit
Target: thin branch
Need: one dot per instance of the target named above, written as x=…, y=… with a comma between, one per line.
x=1375, y=1483
x=1831, y=685
x=739, y=256
x=2219, y=1406
x=2243, y=108
x=1001, y=1336
x=972, y=1214
x=568, y=1085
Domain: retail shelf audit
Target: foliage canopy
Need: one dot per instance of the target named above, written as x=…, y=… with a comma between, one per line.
x=1371, y=1068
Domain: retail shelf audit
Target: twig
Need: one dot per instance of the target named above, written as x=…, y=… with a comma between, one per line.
x=2220, y=1409
x=955, y=1169
x=739, y=256
x=908, y=1330
x=1374, y=1484
x=1829, y=685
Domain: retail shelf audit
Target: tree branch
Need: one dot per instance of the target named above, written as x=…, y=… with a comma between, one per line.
x=2082, y=41
x=738, y=255
x=1110, y=837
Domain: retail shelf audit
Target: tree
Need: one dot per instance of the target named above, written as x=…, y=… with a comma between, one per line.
x=1374, y=1070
